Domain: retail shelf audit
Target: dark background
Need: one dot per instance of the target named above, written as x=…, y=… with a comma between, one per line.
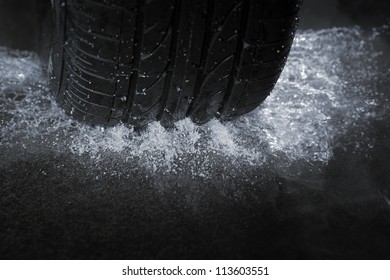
x=62, y=215
x=17, y=21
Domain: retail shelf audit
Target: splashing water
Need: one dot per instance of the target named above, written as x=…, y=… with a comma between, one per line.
x=327, y=89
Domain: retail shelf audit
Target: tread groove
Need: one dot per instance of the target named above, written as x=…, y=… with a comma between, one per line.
x=87, y=101
x=160, y=44
x=96, y=34
x=172, y=57
x=256, y=48
x=105, y=60
x=93, y=91
x=203, y=57
x=132, y=89
x=238, y=54
x=86, y=71
x=220, y=28
x=117, y=63
x=156, y=80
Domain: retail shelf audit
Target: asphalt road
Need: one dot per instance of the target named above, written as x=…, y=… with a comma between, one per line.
x=306, y=176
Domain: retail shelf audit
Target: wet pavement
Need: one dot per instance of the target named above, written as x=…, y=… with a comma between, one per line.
x=305, y=176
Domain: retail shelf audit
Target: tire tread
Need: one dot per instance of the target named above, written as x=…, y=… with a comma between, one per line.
x=138, y=61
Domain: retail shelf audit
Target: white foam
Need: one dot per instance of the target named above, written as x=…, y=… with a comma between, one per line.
x=318, y=99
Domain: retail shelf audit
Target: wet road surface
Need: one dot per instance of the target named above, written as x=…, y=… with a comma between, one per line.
x=306, y=175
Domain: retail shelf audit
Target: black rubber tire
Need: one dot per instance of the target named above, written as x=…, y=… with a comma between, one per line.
x=121, y=61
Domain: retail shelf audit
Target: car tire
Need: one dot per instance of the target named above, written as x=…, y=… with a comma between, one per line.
x=134, y=62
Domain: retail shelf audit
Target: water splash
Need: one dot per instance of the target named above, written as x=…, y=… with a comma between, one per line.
x=327, y=88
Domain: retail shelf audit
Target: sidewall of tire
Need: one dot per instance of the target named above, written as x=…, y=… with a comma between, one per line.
x=56, y=55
